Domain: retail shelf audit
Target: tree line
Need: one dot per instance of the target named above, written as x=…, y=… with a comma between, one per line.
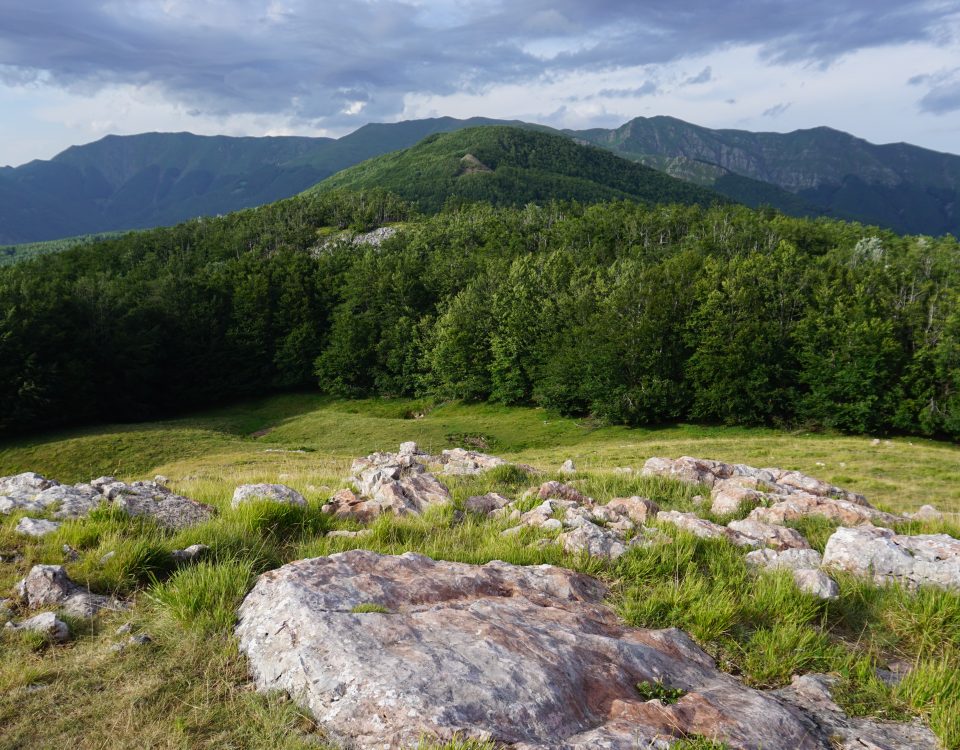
x=633, y=314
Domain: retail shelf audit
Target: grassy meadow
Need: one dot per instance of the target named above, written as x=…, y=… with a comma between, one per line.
x=187, y=688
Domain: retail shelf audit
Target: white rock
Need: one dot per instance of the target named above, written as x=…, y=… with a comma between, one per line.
x=36, y=527
x=276, y=493
x=47, y=624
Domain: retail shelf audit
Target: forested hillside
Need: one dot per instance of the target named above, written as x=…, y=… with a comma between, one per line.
x=512, y=166
x=633, y=314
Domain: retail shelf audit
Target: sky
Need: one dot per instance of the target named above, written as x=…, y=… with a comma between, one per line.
x=72, y=71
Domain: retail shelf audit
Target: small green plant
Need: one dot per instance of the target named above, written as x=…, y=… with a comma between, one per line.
x=369, y=607
x=698, y=742
x=657, y=690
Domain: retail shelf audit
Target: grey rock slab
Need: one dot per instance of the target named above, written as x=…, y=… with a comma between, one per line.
x=36, y=527
x=770, y=535
x=788, y=559
x=528, y=657
x=189, y=554
x=458, y=461
x=47, y=624
x=812, y=694
x=486, y=504
x=693, y=524
x=50, y=586
x=884, y=556
x=816, y=583
x=275, y=493
x=152, y=500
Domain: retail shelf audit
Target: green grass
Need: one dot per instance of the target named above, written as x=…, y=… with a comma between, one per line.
x=189, y=688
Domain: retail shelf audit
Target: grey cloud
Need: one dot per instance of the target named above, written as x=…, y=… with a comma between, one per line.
x=704, y=76
x=944, y=93
x=312, y=60
x=776, y=110
x=647, y=89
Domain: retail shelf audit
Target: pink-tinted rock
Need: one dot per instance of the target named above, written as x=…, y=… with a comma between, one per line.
x=843, y=512
x=527, y=657
x=770, y=535
x=640, y=510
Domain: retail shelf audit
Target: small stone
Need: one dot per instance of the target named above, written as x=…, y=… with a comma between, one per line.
x=48, y=624
x=486, y=504
x=409, y=448
x=70, y=553
x=161, y=479
x=345, y=534
x=36, y=527
x=927, y=513
x=125, y=629
x=816, y=583
x=568, y=467
x=189, y=554
x=6, y=610
x=108, y=557
x=875, y=442
x=551, y=524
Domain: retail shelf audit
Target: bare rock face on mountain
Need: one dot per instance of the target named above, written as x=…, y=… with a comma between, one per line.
x=50, y=586
x=885, y=556
x=275, y=493
x=524, y=656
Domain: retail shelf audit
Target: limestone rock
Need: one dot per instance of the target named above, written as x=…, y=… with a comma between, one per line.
x=802, y=505
x=927, y=513
x=788, y=559
x=36, y=527
x=770, y=535
x=458, y=461
x=561, y=491
x=47, y=624
x=391, y=482
x=637, y=509
x=733, y=484
x=592, y=539
x=811, y=694
x=524, y=656
x=410, y=448
x=345, y=534
x=276, y=493
x=152, y=500
x=486, y=504
x=816, y=583
x=189, y=554
x=49, y=586
x=568, y=467
x=705, y=529
x=885, y=556
x=804, y=565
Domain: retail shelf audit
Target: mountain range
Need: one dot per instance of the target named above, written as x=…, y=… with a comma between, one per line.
x=130, y=182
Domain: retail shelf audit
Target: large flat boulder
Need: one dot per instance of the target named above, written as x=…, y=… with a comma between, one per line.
x=885, y=557
x=529, y=657
x=273, y=493
x=801, y=506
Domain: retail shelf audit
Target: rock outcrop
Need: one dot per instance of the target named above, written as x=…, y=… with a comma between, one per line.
x=459, y=462
x=524, y=656
x=37, y=494
x=36, y=527
x=390, y=482
x=50, y=586
x=804, y=564
x=274, y=493
x=47, y=624
x=884, y=556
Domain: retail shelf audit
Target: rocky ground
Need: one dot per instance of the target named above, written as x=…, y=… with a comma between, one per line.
x=386, y=649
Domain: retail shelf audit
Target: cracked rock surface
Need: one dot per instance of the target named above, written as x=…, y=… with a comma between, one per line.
x=525, y=656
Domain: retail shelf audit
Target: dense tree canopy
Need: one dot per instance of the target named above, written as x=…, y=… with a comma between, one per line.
x=634, y=314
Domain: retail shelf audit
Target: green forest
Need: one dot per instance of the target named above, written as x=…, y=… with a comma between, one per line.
x=625, y=312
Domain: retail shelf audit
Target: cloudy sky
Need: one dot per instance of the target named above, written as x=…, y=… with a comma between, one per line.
x=72, y=71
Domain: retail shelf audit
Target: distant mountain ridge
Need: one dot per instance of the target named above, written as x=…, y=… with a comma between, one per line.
x=513, y=166
x=904, y=187
x=129, y=182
